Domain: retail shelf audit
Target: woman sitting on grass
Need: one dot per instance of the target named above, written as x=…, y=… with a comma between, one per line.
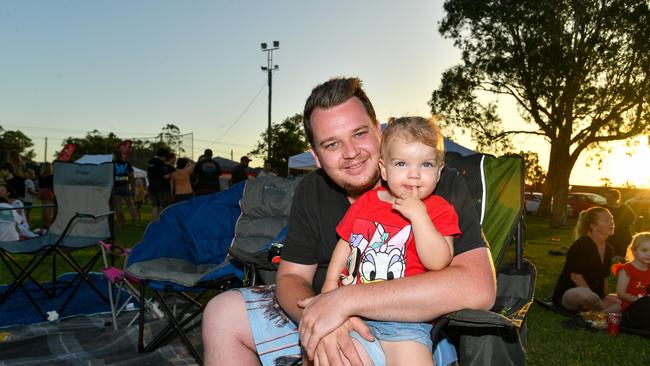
x=582, y=285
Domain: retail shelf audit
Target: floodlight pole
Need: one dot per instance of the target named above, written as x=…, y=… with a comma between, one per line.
x=269, y=68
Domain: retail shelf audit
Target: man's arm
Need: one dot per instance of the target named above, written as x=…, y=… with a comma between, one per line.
x=468, y=282
x=293, y=283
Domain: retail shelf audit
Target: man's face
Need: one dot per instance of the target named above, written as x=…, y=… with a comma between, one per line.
x=346, y=146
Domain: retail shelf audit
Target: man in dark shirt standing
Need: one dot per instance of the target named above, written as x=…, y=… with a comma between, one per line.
x=238, y=173
x=206, y=173
x=158, y=176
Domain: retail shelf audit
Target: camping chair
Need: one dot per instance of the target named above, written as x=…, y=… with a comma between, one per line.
x=83, y=193
x=498, y=336
x=185, y=252
x=120, y=283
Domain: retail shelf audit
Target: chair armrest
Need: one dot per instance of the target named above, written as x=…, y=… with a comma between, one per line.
x=93, y=216
x=258, y=259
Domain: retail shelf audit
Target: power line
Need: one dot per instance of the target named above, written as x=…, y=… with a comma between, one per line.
x=241, y=115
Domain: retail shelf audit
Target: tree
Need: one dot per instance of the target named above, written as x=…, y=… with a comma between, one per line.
x=288, y=140
x=96, y=143
x=15, y=140
x=535, y=175
x=93, y=143
x=171, y=136
x=577, y=70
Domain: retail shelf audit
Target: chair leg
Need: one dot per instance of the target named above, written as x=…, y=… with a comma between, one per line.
x=178, y=327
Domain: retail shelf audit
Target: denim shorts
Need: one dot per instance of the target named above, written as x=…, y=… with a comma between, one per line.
x=277, y=341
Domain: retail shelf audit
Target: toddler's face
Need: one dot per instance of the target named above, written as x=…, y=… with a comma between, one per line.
x=408, y=165
x=642, y=252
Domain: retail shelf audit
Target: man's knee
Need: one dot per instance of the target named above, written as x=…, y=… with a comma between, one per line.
x=223, y=309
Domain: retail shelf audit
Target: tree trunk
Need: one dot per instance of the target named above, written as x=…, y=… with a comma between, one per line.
x=556, y=189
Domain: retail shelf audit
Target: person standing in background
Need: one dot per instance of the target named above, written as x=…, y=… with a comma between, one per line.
x=180, y=180
x=267, y=170
x=159, y=187
x=624, y=220
x=206, y=174
x=122, y=180
x=238, y=173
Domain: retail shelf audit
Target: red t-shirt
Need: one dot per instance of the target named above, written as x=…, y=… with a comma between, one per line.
x=381, y=239
x=638, y=285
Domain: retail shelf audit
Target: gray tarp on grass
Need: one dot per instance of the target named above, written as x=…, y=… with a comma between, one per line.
x=90, y=340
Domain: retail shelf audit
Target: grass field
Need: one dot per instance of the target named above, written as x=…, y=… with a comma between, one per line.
x=548, y=342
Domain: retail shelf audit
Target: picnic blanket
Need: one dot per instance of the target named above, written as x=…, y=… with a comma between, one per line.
x=18, y=310
x=90, y=340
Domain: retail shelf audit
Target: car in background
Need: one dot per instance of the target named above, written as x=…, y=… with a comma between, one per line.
x=641, y=206
x=534, y=199
x=580, y=201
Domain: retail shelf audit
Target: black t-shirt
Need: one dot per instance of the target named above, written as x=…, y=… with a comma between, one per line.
x=207, y=172
x=583, y=258
x=319, y=204
x=238, y=174
x=156, y=170
x=46, y=182
x=18, y=185
x=122, y=172
x=624, y=218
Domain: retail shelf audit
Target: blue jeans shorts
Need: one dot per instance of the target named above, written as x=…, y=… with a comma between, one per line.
x=277, y=340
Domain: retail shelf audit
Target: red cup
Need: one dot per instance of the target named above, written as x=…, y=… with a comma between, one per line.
x=613, y=323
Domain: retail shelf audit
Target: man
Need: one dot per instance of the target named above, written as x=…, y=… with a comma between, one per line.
x=624, y=220
x=207, y=172
x=238, y=173
x=344, y=134
x=158, y=177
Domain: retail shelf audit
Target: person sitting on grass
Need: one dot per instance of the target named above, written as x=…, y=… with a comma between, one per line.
x=582, y=284
x=633, y=282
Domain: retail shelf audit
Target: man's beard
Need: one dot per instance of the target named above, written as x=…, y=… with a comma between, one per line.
x=356, y=190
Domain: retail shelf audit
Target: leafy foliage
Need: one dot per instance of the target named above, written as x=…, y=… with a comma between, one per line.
x=288, y=138
x=96, y=143
x=577, y=70
x=15, y=140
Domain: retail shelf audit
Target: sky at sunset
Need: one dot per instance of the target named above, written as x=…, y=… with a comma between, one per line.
x=131, y=67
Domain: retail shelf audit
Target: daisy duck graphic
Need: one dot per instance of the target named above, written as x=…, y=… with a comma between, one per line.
x=379, y=259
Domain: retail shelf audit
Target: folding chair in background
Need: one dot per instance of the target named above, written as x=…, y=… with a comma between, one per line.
x=185, y=252
x=499, y=336
x=83, y=193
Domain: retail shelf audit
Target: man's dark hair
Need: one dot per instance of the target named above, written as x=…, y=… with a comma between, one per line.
x=207, y=153
x=163, y=153
x=182, y=163
x=332, y=93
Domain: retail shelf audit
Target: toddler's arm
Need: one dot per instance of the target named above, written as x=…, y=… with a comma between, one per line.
x=337, y=263
x=621, y=287
x=435, y=251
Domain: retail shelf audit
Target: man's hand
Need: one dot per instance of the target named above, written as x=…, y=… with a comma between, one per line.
x=321, y=315
x=336, y=346
x=410, y=205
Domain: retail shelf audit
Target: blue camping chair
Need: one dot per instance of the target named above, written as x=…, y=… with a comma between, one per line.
x=185, y=252
x=83, y=193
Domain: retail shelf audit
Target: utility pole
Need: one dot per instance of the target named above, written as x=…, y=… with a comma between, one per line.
x=269, y=68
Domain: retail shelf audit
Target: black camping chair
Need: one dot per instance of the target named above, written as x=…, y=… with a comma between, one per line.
x=83, y=192
x=498, y=336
